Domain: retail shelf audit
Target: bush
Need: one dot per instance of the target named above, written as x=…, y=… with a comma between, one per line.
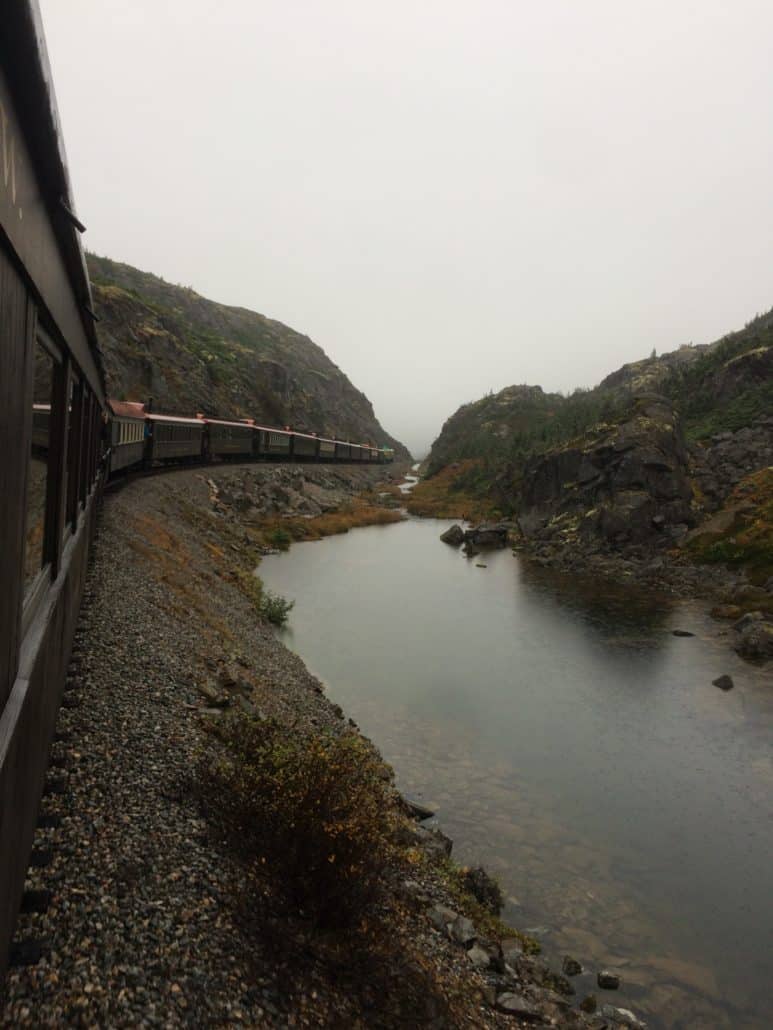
x=484, y=888
x=280, y=538
x=312, y=809
x=274, y=608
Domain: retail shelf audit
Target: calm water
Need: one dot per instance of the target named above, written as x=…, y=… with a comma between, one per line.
x=572, y=744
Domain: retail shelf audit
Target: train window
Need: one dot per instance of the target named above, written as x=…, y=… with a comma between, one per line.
x=38, y=471
x=73, y=414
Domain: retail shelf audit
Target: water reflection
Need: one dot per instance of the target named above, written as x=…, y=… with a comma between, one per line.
x=572, y=743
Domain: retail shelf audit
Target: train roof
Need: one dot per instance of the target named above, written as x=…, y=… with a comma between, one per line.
x=227, y=422
x=127, y=409
x=177, y=419
x=38, y=213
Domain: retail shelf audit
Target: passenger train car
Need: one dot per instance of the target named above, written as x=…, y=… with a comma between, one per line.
x=52, y=399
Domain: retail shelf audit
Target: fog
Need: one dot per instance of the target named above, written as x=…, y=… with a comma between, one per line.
x=448, y=197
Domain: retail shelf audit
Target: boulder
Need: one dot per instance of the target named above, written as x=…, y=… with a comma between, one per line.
x=608, y=980
x=516, y=1005
x=723, y=682
x=463, y=931
x=621, y=1017
x=571, y=966
x=454, y=536
x=756, y=640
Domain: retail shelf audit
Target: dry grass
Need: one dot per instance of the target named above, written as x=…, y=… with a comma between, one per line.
x=358, y=513
x=442, y=497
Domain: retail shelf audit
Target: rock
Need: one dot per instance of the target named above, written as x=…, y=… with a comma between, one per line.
x=479, y=957
x=453, y=536
x=463, y=931
x=607, y=980
x=511, y=950
x=417, y=811
x=682, y=633
x=442, y=917
x=747, y=620
x=487, y=535
x=434, y=841
x=622, y=1017
x=756, y=640
x=571, y=966
x=516, y=1005
x=589, y=1003
x=723, y=682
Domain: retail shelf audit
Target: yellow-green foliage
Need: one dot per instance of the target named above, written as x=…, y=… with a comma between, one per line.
x=442, y=496
x=748, y=542
x=312, y=809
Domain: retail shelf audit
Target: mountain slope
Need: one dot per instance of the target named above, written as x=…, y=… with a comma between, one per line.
x=192, y=354
x=714, y=388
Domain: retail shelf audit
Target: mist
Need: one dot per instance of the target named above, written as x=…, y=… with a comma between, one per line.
x=447, y=197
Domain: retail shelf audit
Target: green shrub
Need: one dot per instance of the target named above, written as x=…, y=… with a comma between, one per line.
x=312, y=809
x=274, y=608
x=280, y=539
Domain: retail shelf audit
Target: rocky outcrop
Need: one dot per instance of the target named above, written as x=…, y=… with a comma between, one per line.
x=486, y=536
x=625, y=483
x=721, y=463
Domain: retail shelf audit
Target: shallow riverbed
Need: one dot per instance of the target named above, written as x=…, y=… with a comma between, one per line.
x=570, y=742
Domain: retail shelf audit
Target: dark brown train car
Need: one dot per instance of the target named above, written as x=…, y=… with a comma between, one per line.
x=278, y=443
x=127, y=435
x=305, y=446
x=229, y=439
x=343, y=451
x=327, y=449
x=175, y=438
x=51, y=404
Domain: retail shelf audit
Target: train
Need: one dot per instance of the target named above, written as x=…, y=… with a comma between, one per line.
x=140, y=438
x=62, y=439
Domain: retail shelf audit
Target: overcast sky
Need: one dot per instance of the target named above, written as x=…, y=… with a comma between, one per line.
x=448, y=197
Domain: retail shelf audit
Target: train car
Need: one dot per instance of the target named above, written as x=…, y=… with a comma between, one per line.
x=174, y=438
x=343, y=451
x=327, y=449
x=305, y=446
x=52, y=399
x=229, y=439
x=277, y=443
x=127, y=435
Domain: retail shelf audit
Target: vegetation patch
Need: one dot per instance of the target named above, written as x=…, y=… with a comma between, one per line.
x=452, y=494
x=313, y=807
x=748, y=541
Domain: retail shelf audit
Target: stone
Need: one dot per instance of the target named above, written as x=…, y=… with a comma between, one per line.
x=589, y=1003
x=484, y=888
x=608, y=980
x=571, y=966
x=756, y=640
x=417, y=811
x=511, y=950
x=724, y=682
x=453, y=536
x=747, y=620
x=479, y=957
x=435, y=842
x=682, y=633
x=463, y=931
x=621, y=1016
x=442, y=917
x=516, y=1005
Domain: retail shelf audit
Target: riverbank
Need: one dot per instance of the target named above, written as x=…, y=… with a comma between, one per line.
x=144, y=916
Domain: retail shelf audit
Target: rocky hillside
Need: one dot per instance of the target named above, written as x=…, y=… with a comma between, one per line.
x=192, y=354
x=714, y=388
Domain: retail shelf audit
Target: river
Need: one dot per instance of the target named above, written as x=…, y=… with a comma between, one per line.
x=573, y=745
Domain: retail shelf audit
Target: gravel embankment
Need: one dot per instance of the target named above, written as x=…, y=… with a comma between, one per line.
x=142, y=929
